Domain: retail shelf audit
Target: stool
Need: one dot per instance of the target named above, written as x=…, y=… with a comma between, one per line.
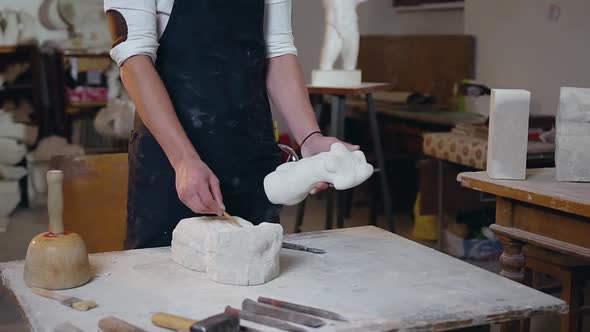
x=572, y=272
x=339, y=95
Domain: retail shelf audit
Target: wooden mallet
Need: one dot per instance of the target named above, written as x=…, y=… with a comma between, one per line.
x=56, y=259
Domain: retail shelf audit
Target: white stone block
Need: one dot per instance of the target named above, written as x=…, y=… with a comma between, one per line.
x=229, y=254
x=508, y=134
x=572, y=137
x=11, y=152
x=9, y=197
x=336, y=78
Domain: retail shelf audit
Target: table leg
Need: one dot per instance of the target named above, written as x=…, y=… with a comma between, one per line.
x=380, y=161
x=299, y=216
x=318, y=103
x=512, y=260
x=440, y=216
x=334, y=131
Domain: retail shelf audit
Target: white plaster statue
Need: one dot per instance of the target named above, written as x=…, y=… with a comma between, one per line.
x=572, y=140
x=291, y=182
x=28, y=34
x=229, y=254
x=11, y=27
x=341, y=36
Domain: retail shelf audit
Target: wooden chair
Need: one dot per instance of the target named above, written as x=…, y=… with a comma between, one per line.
x=95, y=198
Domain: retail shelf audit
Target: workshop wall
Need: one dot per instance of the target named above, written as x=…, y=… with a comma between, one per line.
x=544, y=42
x=375, y=17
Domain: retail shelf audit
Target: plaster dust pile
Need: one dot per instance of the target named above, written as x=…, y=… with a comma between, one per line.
x=228, y=253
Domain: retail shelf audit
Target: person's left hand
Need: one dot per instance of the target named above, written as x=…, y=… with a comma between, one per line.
x=317, y=144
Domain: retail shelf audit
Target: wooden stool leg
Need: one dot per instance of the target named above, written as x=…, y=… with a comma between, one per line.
x=512, y=262
x=571, y=293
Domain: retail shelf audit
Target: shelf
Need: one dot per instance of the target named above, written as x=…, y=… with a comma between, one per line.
x=16, y=49
x=25, y=86
x=434, y=6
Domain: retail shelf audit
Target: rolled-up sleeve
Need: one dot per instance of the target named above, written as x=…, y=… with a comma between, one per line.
x=279, y=33
x=134, y=28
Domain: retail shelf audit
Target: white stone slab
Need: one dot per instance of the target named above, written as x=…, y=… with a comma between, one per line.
x=336, y=78
x=229, y=254
x=508, y=134
x=572, y=139
x=11, y=152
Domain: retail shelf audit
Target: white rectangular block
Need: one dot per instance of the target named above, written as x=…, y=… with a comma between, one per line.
x=508, y=134
x=336, y=78
x=572, y=135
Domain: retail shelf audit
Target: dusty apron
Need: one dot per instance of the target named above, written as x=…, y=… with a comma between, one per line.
x=212, y=60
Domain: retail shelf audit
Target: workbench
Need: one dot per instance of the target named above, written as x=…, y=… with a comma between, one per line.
x=380, y=281
x=544, y=226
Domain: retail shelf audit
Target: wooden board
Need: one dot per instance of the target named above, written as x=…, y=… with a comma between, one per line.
x=540, y=188
x=380, y=281
x=423, y=63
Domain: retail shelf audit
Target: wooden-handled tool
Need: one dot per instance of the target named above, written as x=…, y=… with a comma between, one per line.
x=56, y=259
x=218, y=323
x=232, y=219
x=114, y=324
x=264, y=320
x=68, y=301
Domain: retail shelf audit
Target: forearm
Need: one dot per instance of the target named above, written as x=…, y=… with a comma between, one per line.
x=287, y=90
x=155, y=108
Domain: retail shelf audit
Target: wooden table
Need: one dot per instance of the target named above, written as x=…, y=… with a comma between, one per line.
x=377, y=279
x=541, y=213
x=338, y=114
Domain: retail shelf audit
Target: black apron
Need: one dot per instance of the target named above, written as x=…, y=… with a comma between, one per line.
x=212, y=60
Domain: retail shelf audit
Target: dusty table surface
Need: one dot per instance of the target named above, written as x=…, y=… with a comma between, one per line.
x=539, y=188
x=379, y=280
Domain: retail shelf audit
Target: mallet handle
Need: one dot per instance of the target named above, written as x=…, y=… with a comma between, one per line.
x=55, y=203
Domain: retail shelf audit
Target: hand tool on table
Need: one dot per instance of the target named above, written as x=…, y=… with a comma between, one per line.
x=293, y=246
x=264, y=320
x=232, y=219
x=252, y=306
x=114, y=324
x=303, y=309
x=219, y=323
x=56, y=259
x=68, y=301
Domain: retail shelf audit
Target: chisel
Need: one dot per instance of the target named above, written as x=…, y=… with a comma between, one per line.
x=303, y=309
x=280, y=313
x=263, y=320
x=68, y=301
x=293, y=246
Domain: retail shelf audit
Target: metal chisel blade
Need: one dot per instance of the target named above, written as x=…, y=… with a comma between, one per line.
x=303, y=309
x=280, y=313
x=299, y=247
x=264, y=320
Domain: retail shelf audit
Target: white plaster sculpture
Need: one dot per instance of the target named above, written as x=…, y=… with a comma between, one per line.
x=508, y=134
x=9, y=199
x=12, y=172
x=11, y=152
x=11, y=27
x=229, y=254
x=572, y=140
x=27, y=28
x=341, y=38
x=116, y=119
x=291, y=182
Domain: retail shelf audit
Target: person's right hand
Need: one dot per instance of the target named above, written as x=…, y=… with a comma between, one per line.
x=197, y=186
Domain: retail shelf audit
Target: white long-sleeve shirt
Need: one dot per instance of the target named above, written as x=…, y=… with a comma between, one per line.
x=147, y=19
